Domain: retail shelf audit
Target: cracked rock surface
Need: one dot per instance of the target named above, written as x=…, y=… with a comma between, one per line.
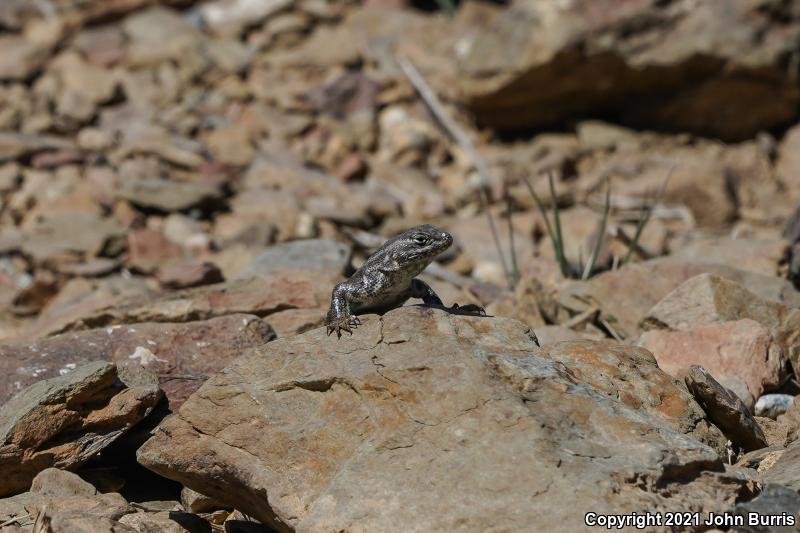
x=442, y=423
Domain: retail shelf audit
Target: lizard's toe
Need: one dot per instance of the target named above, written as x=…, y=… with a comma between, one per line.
x=341, y=324
x=355, y=321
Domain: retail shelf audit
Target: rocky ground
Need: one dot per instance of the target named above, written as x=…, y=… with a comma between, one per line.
x=182, y=183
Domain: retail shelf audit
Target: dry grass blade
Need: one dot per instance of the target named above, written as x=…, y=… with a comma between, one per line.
x=647, y=213
x=14, y=519
x=601, y=236
x=514, y=266
x=464, y=142
x=559, y=242
x=558, y=247
x=42, y=523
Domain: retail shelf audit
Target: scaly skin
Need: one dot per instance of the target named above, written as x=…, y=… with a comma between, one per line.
x=387, y=279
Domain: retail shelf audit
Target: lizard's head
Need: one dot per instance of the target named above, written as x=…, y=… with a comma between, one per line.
x=422, y=243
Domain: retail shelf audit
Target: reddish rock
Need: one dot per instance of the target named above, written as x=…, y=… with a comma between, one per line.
x=182, y=355
x=148, y=248
x=741, y=354
x=626, y=295
x=261, y=295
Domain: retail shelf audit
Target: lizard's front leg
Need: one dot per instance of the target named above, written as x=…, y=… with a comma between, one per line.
x=423, y=291
x=339, y=318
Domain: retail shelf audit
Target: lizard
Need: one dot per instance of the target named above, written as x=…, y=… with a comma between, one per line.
x=388, y=278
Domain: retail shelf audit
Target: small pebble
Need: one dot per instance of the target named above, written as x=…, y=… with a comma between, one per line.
x=772, y=405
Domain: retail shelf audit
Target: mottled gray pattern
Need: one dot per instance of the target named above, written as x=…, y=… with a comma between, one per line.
x=387, y=279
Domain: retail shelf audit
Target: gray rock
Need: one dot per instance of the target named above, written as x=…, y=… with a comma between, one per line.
x=168, y=195
x=786, y=470
x=726, y=410
x=774, y=500
x=311, y=254
x=773, y=405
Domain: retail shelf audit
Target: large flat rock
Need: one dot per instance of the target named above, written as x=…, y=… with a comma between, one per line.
x=713, y=68
x=441, y=423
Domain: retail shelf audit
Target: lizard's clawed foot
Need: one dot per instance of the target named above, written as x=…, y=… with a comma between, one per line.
x=344, y=323
x=469, y=309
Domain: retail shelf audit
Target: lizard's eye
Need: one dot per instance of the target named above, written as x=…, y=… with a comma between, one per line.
x=422, y=240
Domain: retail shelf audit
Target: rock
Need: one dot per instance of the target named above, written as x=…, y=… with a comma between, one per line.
x=650, y=77
x=345, y=434
x=168, y=195
x=230, y=145
x=293, y=321
x=95, y=267
x=81, y=235
x=261, y=295
x=632, y=376
x=726, y=410
x=786, y=469
x=473, y=235
x=21, y=58
x=81, y=297
x=773, y=405
x=67, y=420
x=310, y=254
x=775, y=501
x=260, y=218
x=136, y=137
x=741, y=354
x=787, y=166
x=15, y=145
x=186, y=275
x=326, y=47
x=416, y=192
x=594, y=134
x=554, y=334
x=96, y=84
x=67, y=503
x=350, y=93
x=231, y=15
x=182, y=355
x=709, y=299
x=776, y=431
x=67, y=500
x=195, y=502
x=149, y=248
x=753, y=255
x=157, y=34
x=624, y=296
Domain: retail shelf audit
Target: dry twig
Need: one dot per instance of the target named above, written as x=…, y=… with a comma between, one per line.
x=460, y=137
